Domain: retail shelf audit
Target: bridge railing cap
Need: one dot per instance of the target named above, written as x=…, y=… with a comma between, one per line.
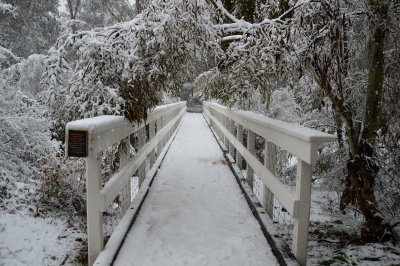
x=297, y=131
x=106, y=122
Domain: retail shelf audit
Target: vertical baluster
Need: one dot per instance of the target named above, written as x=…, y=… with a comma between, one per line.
x=232, y=130
x=239, y=136
x=251, y=146
x=216, y=128
x=163, y=122
x=152, y=133
x=209, y=115
x=226, y=125
x=142, y=142
x=166, y=121
x=124, y=155
x=171, y=131
x=301, y=223
x=159, y=127
x=94, y=216
x=221, y=120
x=269, y=162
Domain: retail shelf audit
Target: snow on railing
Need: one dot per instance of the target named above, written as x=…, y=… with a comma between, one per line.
x=299, y=141
x=103, y=132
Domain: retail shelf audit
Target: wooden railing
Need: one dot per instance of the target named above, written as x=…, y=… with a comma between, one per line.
x=105, y=131
x=299, y=141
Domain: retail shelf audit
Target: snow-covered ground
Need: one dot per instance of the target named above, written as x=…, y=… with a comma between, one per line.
x=195, y=213
x=25, y=240
x=334, y=236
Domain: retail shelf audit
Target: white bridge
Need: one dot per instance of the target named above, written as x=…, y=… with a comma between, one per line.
x=197, y=202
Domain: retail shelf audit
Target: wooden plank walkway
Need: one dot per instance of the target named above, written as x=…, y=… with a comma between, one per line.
x=195, y=213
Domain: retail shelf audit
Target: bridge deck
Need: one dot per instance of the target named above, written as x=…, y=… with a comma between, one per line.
x=195, y=213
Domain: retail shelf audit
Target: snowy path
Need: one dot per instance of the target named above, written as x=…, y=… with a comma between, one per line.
x=195, y=213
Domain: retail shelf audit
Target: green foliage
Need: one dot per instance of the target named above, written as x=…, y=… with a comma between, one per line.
x=341, y=258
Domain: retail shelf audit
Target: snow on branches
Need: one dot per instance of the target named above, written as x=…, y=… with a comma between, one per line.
x=124, y=69
x=7, y=8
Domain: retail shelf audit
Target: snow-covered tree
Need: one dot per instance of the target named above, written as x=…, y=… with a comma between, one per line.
x=342, y=55
x=124, y=69
x=31, y=27
x=344, y=48
x=100, y=13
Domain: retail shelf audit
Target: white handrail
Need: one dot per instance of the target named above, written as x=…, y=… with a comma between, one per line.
x=297, y=140
x=104, y=131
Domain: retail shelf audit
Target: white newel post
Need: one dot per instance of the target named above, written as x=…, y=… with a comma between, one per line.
x=94, y=215
x=301, y=223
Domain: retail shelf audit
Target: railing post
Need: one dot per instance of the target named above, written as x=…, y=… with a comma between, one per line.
x=219, y=118
x=301, y=223
x=232, y=130
x=163, y=122
x=226, y=125
x=269, y=162
x=124, y=157
x=94, y=216
x=124, y=154
x=239, y=135
x=152, y=133
x=142, y=142
x=251, y=147
x=159, y=127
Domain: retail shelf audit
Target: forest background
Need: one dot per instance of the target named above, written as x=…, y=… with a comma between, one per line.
x=332, y=65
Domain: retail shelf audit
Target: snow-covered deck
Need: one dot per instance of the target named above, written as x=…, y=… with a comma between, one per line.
x=195, y=213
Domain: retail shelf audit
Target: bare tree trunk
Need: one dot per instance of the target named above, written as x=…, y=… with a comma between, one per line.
x=73, y=7
x=361, y=169
x=28, y=21
x=139, y=6
x=328, y=72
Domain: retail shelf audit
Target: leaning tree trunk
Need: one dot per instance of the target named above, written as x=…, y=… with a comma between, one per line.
x=361, y=173
x=361, y=169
